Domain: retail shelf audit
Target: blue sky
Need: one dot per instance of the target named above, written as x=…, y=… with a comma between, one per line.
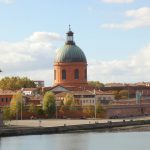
x=114, y=34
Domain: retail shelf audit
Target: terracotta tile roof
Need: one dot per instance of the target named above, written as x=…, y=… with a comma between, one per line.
x=86, y=92
x=6, y=92
x=99, y=92
x=75, y=93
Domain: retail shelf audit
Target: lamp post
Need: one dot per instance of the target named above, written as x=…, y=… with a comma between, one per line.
x=16, y=112
x=21, y=109
x=95, y=103
x=56, y=109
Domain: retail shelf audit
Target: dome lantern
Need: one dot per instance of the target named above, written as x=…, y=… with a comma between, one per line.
x=70, y=37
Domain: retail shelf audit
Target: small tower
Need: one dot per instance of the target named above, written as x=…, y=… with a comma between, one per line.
x=70, y=37
x=70, y=65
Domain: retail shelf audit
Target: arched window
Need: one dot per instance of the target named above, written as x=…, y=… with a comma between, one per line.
x=85, y=74
x=54, y=74
x=76, y=74
x=63, y=74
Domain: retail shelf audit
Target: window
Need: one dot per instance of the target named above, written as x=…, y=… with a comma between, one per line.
x=76, y=74
x=6, y=99
x=85, y=74
x=104, y=98
x=63, y=74
x=54, y=74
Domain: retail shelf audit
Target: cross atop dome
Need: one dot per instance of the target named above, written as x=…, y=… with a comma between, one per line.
x=69, y=27
x=70, y=37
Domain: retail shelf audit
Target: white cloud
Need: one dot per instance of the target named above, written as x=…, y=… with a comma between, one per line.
x=118, y=1
x=31, y=57
x=7, y=1
x=137, y=18
x=33, y=53
x=136, y=68
x=44, y=37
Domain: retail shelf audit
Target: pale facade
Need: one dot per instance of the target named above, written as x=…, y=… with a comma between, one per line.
x=86, y=98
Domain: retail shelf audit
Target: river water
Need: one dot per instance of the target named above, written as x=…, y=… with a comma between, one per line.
x=79, y=141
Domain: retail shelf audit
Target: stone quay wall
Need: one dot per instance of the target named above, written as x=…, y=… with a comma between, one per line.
x=10, y=131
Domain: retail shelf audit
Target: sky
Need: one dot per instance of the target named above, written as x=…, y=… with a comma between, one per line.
x=114, y=35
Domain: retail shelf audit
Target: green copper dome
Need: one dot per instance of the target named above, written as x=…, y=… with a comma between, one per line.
x=70, y=53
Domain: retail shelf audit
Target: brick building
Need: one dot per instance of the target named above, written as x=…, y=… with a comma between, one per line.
x=5, y=97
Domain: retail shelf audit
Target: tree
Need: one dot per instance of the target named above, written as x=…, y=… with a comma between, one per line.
x=49, y=105
x=68, y=99
x=16, y=104
x=116, y=94
x=39, y=111
x=73, y=106
x=32, y=108
x=6, y=113
x=95, y=84
x=100, y=111
x=89, y=110
x=123, y=94
x=16, y=83
x=69, y=103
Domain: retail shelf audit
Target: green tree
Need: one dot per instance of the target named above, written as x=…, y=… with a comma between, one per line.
x=16, y=83
x=39, y=111
x=49, y=105
x=16, y=104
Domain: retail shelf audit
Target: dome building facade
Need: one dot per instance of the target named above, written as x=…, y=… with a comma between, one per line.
x=70, y=64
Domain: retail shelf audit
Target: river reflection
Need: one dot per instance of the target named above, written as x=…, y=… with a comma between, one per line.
x=79, y=141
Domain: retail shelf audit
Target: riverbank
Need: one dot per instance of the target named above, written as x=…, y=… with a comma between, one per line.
x=138, y=125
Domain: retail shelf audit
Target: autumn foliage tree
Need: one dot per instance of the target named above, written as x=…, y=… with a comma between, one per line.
x=32, y=108
x=16, y=83
x=69, y=102
x=68, y=99
x=89, y=111
x=100, y=111
x=6, y=113
x=16, y=103
x=123, y=94
x=95, y=84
